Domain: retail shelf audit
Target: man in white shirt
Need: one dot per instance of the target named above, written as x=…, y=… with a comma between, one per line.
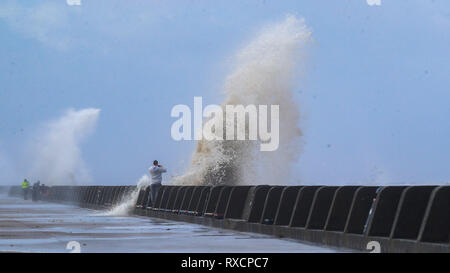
x=156, y=172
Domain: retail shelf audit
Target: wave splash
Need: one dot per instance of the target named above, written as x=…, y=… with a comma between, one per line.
x=264, y=74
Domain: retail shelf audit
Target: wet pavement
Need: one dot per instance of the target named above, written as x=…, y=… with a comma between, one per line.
x=46, y=227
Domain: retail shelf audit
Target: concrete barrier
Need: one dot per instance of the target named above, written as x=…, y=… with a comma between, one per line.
x=179, y=199
x=436, y=225
x=103, y=195
x=320, y=208
x=100, y=196
x=168, y=196
x=286, y=206
x=186, y=200
x=359, y=212
x=5, y=189
x=140, y=198
x=271, y=205
x=195, y=199
x=91, y=193
x=172, y=198
x=400, y=218
x=386, y=204
x=302, y=206
x=159, y=198
x=146, y=197
x=340, y=209
x=222, y=202
x=14, y=191
x=239, y=197
x=109, y=196
x=141, y=202
x=119, y=195
x=165, y=197
x=413, y=205
x=116, y=194
x=204, y=196
x=259, y=195
x=213, y=199
x=84, y=196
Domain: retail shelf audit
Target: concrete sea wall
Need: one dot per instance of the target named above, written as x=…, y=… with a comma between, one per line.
x=399, y=218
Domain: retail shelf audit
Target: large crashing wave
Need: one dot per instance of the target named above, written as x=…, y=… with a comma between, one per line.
x=55, y=153
x=265, y=72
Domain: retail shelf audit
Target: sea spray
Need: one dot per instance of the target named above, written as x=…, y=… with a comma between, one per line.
x=7, y=173
x=265, y=74
x=126, y=205
x=55, y=152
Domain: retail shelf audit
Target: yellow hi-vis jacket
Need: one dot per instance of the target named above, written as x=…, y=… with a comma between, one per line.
x=25, y=184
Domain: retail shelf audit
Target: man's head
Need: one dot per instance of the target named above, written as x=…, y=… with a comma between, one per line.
x=155, y=163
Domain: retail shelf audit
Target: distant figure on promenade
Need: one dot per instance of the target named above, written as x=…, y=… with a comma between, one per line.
x=43, y=191
x=36, y=191
x=156, y=172
x=25, y=188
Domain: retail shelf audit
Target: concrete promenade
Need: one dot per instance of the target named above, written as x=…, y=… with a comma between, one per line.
x=47, y=227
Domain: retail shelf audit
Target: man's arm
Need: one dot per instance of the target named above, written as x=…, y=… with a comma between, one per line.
x=161, y=169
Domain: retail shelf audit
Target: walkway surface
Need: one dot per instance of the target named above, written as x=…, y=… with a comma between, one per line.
x=46, y=227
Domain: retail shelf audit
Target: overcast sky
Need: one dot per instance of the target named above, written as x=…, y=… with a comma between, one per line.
x=375, y=102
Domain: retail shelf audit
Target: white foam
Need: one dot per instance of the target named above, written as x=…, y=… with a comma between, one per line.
x=128, y=202
x=265, y=72
x=55, y=153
